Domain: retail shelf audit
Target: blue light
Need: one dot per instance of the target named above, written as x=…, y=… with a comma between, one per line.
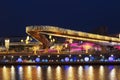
x=67, y=59
x=37, y=59
x=66, y=67
x=71, y=60
x=46, y=60
x=62, y=60
x=92, y=58
x=43, y=60
x=19, y=60
x=75, y=59
x=111, y=58
x=86, y=59
x=101, y=59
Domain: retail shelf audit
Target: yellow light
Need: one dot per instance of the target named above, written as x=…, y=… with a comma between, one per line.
x=21, y=40
x=50, y=36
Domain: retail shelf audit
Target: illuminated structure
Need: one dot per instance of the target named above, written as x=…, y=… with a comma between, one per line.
x=39, y=32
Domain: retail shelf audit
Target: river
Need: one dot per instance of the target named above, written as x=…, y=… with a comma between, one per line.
x=64, y=72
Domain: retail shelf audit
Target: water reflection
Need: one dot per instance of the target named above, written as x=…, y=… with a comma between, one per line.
x=101, y=73
x=20, y=72
x=13, y=73
x=90, y=73
x=59, y=72
x=28, y=73
x=39, y=73
x=6, y=73
x=80, y=73
x=49, y=73
x=112, y=75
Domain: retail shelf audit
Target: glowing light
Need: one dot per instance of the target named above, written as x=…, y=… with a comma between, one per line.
x=19, y=60
x=13, y=73
x=71, y=60
x=39, y=73
x=58, y=55
x=4, y=57
x=112, y=55
x=49, y=73
x=37, y=59
x=113, y=74
x=79, y=55
x=80, y=72
x=6, y=73
x=62, y=60
x=20, y=71
x=46, y=60
x=111, y=58
x=12, y=56
x=101, y=72
x=90, y=70
x=58, y=73
x=69, y=55
x=43, y=60
x=48, y=55
x=86, y=59
x=90, y=55
x=67, y=59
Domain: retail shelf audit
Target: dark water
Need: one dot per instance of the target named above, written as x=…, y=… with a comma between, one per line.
x=60, y=72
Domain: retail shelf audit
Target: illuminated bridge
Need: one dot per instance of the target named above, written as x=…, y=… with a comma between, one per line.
x=39, y=32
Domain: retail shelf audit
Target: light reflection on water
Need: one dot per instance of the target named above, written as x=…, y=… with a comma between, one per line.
x=60, y=72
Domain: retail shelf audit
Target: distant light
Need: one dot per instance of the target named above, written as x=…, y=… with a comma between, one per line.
x=48, y=55
x=29, y=56
x=4, y=56
x=90, y=55
x=58, y=55
x=71, y=60
x=43, y=60
x=19, y=60
x=46, y=60
x=112, y=55
x=75, y=59
x=62, y=60
x=67, y=59
x=37, y=59
x=12, y=56
x=79, y=55
x=70, y=55
x=111, y=58
x=86, y=59
x=92, y=58
x=101, y=55
x=38, y=56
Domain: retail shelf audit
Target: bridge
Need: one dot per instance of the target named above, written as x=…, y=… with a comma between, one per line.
x=39, y=32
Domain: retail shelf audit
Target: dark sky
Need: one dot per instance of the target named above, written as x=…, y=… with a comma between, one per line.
x=83, y=15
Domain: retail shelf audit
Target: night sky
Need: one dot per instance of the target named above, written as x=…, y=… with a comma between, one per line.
x=81, y=15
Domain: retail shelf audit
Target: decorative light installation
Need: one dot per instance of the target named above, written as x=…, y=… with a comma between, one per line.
x=19, y=60
x=46, y=60
x=71, y=60
x=86, y=59
x=37, y=59
x=111, y=58
x=62, y=60
x=66, y=59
